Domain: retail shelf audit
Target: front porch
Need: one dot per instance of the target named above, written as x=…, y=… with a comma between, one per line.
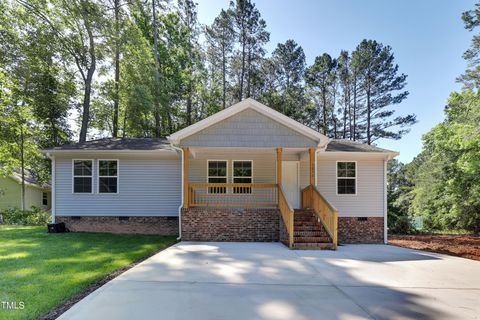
x=264, y=194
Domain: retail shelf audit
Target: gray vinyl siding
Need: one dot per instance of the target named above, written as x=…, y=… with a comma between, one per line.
x=264, y=171
x=369, y=200
x=148, y=186
x=248, y=129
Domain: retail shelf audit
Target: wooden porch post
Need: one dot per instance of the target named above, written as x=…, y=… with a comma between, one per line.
x=279, y=166
x=311, y=152
x=186, y=189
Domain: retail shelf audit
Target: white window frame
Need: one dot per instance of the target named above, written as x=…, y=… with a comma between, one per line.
x=233, y=177
x=337, y=177
x=74, y=176
x=99, y=176
x=208, y=175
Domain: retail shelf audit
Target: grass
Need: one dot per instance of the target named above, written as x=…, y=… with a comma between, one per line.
x=43, y=270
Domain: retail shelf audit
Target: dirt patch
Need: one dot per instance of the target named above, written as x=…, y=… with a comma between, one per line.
x=464, y=246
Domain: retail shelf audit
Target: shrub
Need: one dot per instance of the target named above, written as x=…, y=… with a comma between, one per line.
x=33, y=217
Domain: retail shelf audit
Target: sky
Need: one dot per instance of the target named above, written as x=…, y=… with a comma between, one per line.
x=427, y=38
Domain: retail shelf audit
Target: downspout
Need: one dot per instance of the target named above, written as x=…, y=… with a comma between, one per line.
x=53, y=186
x=181, y=202
x=385, y=208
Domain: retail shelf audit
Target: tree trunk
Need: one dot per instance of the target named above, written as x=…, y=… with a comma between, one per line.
x=224, y=77
x=354, y=111
x=242, y=72
x=86, y=103
x=369, y=109
x=324, y=100
x=22, y=163
x=88, y=81
x=158, y=126
x=249, y=73
x=117, y=69
x=189, y=105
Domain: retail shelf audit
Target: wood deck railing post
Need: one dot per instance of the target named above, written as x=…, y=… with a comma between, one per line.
x=186, y=188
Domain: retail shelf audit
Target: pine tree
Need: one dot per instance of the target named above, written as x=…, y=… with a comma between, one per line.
x=321, y=77
x=383, y=88
x=221, y=39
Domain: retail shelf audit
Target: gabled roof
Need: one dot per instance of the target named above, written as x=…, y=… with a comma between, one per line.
x=343, y=145
x=30, y=180
x=241, y=106
x=116, y=144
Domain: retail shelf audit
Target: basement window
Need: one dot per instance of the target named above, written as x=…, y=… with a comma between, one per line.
x=347, y=178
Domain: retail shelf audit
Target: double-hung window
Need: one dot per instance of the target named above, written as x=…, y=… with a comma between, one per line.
x=82, y=176
x=347, y=178
x=107, y=176
x=242, y=173
x=217, y=173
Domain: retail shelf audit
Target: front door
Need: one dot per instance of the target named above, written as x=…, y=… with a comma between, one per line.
x=290, y=183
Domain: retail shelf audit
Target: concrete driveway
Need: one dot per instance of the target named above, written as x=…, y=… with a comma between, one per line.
x=193, y=280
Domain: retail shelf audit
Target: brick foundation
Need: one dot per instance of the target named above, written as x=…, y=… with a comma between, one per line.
x=167, y=226
x=230, y=224
x=355, y=230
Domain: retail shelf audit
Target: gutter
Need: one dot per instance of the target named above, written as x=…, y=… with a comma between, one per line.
x=182, y=196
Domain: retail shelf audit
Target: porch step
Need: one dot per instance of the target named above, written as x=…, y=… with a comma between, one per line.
x=311, y=239
x=309, y=233
x=314, y=246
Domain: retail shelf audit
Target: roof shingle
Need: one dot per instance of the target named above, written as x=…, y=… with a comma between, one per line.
x=145, y=144
x=341, y=145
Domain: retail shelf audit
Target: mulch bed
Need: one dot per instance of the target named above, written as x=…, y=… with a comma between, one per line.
x=465, y=246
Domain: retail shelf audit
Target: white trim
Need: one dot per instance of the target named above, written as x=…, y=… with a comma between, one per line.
x=73, y=175
x=226, y=174
x=117, y=176
x=337, y=177
x=233, y=176
x=53, y=189
x=241, y=106
x=385, y=203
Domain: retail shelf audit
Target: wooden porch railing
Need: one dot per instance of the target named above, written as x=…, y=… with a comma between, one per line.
x=312, y=198
x=286, y=211
x=232, y=195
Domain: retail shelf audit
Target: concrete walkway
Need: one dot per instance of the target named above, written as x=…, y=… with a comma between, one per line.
x=193, y=280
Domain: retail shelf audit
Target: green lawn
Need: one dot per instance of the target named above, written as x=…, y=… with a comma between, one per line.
x=42, y=270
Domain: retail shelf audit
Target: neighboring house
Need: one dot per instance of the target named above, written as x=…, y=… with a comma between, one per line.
x=247, y=173
x=36, y=194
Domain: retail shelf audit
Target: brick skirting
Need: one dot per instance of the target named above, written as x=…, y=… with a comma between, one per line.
x=230, y=224
x=166, y=226
x=360, y=229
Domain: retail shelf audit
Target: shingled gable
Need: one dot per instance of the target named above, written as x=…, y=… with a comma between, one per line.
x=244, y=105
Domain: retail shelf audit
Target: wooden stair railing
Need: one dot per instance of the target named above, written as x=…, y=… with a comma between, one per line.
x=328, y=214
x=286, y=211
